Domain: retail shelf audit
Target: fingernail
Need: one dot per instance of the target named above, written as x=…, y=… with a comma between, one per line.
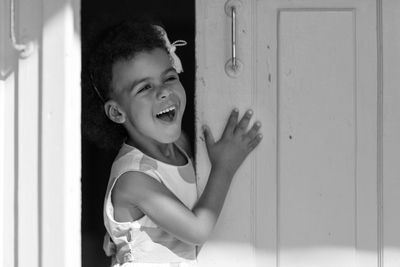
x=236, y=110
x=258, y=124
x=250, y=112
x=260, y=136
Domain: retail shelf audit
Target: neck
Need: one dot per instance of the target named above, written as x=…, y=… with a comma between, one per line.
x=160, y=151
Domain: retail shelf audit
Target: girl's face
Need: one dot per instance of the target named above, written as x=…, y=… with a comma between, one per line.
x=148, y=90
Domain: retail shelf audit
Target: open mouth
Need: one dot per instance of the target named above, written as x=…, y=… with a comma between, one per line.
x=167, y=114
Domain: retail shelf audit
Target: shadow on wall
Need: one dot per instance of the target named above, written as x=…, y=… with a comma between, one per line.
x=25, y=32
x=178, y=17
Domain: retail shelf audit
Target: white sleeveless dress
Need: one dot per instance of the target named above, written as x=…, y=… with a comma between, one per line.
x=142, y=243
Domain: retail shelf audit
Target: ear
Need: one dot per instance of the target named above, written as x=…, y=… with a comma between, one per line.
x=114, y=112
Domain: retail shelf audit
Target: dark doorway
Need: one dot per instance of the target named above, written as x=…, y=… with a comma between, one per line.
x=178, y=17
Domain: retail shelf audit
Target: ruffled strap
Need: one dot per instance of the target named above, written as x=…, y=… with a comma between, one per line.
x=109, y=246
x=121, y=255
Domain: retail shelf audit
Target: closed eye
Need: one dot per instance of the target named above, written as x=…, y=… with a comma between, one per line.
x=144, y=88
x=171, y=78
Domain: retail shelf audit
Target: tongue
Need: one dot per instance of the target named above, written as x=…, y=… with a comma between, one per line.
x=168, y=116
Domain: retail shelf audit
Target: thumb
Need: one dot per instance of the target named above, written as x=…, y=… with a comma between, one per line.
x=209, y=138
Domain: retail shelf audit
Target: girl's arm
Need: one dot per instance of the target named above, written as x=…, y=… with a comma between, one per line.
x=194, y=226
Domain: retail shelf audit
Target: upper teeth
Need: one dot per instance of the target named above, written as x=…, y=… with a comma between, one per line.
x=165, y=110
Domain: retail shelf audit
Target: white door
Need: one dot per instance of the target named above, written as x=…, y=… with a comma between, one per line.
x=315, y=191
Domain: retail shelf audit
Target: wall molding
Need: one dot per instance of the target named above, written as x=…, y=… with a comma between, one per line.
x=380, y=222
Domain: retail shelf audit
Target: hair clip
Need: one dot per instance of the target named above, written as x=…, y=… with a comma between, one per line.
x=176, y=62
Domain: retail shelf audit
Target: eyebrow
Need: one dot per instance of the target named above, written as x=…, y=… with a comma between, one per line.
x=136, y=82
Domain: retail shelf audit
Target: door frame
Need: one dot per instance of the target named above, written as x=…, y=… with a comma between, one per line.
x=40, y=148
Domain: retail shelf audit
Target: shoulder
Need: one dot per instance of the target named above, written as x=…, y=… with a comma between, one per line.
x=134, y=187
x=184, y=143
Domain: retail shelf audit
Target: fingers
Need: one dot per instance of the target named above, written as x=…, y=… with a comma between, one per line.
x=244, y=122
x=254, y=130
x=232, y=121
x=253, y=136
x=208, y=136
x=255, y=141
x=249, y=138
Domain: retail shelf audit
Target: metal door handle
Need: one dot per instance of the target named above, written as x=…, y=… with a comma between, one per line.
x=233, y=67
x=233, y=34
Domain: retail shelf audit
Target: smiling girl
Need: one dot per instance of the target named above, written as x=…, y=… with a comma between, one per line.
x=152, y=212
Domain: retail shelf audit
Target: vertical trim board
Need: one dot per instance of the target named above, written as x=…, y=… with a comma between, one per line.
x=289, y=51
x=391, y=132
x=380, y=223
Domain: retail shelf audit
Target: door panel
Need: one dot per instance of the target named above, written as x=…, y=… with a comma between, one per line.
x=308, y=195
x=317, y=134
x=323, y=58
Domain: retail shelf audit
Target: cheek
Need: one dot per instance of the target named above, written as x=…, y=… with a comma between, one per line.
x=140, y=111
x=183, y=98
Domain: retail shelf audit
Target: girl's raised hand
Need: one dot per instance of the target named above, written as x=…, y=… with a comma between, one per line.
x=235, y=144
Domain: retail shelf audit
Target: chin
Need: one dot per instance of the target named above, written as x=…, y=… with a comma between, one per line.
x=169, y=138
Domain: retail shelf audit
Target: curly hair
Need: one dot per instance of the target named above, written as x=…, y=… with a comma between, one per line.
x=121, y=42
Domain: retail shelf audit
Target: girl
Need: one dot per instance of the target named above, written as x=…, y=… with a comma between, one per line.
x=152, y=213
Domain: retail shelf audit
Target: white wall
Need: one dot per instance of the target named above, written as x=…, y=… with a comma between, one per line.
x=40, y=135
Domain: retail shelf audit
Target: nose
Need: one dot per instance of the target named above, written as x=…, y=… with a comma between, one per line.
x=163, y=92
